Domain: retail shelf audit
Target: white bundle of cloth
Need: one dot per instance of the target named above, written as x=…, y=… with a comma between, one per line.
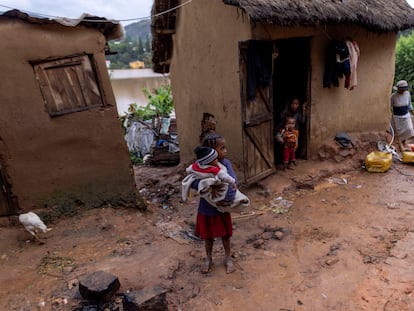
x=206, y=184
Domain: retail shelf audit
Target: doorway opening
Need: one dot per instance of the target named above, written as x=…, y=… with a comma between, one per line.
x=291, y=72
x=8, y=201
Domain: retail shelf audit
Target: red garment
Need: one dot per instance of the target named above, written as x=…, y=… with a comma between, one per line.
x=210, y=227
x=288, y=155
x=210, y=169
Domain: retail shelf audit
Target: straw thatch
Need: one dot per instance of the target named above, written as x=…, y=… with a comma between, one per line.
x=375, y=15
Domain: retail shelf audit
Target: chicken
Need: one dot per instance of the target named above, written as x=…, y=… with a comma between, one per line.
x=32, y=223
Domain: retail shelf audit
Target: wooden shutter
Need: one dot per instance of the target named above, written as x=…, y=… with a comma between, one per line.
x=68, y=85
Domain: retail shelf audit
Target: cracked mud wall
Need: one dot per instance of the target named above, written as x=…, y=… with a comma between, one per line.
x=80, y=154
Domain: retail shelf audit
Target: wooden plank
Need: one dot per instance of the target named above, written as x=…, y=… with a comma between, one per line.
x=62, y=65
x=257, y=126
x=89, y=85
x=255, y=139
x=68, y=85
x=259, y=176
x=265, y=99
x=255, y=121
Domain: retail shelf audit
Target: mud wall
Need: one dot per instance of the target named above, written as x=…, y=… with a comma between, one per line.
x=128, y=85
x=205, y=76
x=364, y=109
x=205, y=73
x=78, y=155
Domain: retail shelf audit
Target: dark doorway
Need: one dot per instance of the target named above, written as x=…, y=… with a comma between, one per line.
x=8, y=201
x=291, y=79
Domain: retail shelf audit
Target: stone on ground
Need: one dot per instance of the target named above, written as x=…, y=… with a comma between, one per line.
x=147, y=299
x=99, y=286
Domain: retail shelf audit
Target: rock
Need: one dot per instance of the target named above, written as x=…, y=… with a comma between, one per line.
x=99, y=286
x=267, y=235
x=147, y=299
x=68, y=269
x=345, y=152
x=278, y=235
x=323, y=155
x=306, y=184
x=331, y=261
x=258, y=243
x=369, y=259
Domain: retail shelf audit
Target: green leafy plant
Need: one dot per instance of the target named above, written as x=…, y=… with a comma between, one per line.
x=404, y=55
x=141, y=112
x=135, y=159
x=161, y=100
x=160, y=104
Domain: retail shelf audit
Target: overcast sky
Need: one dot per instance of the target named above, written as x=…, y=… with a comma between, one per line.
x=111, y=9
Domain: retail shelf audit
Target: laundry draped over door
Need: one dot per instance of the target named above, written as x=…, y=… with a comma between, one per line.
x=259, y=66
x=341, y=60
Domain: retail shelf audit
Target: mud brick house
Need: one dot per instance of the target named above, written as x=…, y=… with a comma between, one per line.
x=207, y=47
x=60, y=138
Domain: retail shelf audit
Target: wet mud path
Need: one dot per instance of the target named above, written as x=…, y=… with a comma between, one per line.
x=313, y=241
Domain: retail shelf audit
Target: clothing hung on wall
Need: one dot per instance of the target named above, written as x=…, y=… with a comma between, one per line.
x=354, y=52
x=341, y=61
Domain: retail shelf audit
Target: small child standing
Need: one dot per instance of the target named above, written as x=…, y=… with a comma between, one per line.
x=289, y=136
x=211, y=223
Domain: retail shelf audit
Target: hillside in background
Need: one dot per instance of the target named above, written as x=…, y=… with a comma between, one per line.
x=141, y=29
x=136, y=47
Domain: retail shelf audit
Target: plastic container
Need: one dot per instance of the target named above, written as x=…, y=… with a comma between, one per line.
x=378, y=162
x=408, y=157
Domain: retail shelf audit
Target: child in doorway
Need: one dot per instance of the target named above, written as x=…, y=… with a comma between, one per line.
x=211, y=223
x=289, y=136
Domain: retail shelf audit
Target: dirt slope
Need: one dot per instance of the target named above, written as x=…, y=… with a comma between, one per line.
x=346, y=244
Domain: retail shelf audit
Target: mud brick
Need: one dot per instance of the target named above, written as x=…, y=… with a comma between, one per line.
x=147, y=299
x=99, y=286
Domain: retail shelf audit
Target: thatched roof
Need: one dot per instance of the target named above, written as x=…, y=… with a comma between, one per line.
x=110, y=29
x=375, y=15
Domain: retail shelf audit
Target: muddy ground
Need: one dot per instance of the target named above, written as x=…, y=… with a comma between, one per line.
x=322, y=237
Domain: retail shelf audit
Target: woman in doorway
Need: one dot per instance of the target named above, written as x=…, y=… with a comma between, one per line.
x=401, y=108
x=294, y=110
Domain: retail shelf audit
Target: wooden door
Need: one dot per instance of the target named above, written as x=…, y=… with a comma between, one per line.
x=258, y=143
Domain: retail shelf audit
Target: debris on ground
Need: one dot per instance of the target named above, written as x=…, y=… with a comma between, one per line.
x=269, y=233
x=279, y=205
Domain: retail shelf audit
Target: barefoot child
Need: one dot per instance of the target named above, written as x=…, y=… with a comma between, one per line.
x=211, y=223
